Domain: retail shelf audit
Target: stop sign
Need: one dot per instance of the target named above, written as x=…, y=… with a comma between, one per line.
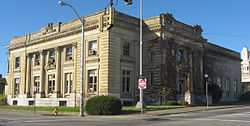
x=142, y=83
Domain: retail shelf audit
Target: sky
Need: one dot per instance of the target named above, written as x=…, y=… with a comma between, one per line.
x=225, y=22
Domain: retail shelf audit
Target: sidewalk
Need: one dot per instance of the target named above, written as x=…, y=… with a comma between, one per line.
x=190, y=109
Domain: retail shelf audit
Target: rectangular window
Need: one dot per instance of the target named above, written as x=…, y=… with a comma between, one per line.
x=36, y=84
x=52, y=57
x=180, y=86
x=126, y=81
x=181, y=56
x=235, y=87
x=69, y=54
x=16, y=86
x=219, y=82
x=37, y=59
x=126, y=49
x=51, y=83
x=92, y=81
x=17, y=62
x=68, y=83
x=151, y=78
x=92, y=48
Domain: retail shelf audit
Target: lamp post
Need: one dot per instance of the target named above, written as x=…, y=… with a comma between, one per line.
x=206, y=78
x=141, y=44
x=82, y=57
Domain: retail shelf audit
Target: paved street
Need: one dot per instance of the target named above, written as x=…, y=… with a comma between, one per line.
x=227, y=117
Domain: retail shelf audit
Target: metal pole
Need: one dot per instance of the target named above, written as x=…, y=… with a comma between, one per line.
x=141, y=48
x=82, y=60
x=141, y=100
x=35, y=103
x=207, y=92
x=82, y=57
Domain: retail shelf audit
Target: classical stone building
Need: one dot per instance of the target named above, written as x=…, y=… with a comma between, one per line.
x=44, y=66
x=176, y=57
x=245, y=68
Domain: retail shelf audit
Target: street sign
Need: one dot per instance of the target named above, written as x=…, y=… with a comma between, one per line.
x=142, y=83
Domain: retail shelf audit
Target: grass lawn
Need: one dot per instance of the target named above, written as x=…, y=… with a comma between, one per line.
x=32, y=108
x=125, y=109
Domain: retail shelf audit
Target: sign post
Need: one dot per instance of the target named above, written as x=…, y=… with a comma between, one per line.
x=142, y=84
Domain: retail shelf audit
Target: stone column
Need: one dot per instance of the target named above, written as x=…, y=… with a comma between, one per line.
x=74, y=47
x=58, y=71
x=42, y=76
x=32, y=77
x=46, y=75
x=28, y=75
x=191, y=73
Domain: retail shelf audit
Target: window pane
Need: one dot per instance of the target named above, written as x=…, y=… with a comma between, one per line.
x=92, y=81
x=128, y=84
x=69, y=54
x=17, y=62
x=92, y=48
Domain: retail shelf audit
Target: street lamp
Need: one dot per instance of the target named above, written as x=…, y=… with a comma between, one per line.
x=206, y=78
x=82, y=57
x=141, y=44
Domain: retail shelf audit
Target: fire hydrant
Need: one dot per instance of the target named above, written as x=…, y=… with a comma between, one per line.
x=55, y=111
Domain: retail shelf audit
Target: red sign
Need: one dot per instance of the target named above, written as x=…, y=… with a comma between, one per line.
x=142, y=83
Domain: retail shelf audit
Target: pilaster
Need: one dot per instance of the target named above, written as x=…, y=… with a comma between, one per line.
x=58, y=70
x=42, y=76
x=28, y=75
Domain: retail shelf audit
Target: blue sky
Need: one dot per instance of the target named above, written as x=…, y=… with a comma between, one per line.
x=225, y=22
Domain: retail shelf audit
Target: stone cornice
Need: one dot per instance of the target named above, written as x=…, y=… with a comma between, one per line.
x=217, y=50
x=72, y=31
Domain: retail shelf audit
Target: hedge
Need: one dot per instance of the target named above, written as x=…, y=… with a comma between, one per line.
x=245, y=97
x=103, y=105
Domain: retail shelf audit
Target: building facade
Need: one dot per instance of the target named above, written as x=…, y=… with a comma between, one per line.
x=176, y=58
x=245, y=68
x=223, y=68
x=44, y=66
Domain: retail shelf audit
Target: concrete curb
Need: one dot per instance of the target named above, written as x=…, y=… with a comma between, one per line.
x=160, y=113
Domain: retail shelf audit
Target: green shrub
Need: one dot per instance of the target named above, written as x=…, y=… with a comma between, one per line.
x=2, y=100
x=216, y=92
x=245, y=97
x=171, y=103
x=103, y=105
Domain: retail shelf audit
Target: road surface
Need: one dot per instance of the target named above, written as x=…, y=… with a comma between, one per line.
x=227, y=117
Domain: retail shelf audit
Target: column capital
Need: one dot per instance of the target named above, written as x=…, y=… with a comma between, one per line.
x=28, y=55
x=74, y=44
x=57, y=48
x=42, y=51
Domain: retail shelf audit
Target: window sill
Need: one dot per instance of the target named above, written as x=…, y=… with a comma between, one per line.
x=17, y=69
x=68, y=62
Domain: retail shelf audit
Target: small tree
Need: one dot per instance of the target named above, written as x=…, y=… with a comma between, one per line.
x=216, y=92
x=164, y=93
x=2, y=99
